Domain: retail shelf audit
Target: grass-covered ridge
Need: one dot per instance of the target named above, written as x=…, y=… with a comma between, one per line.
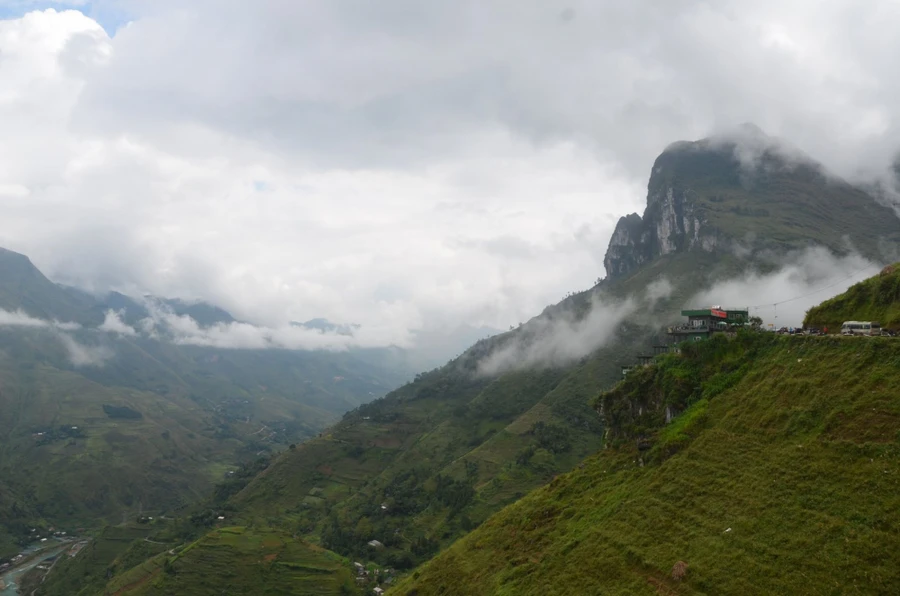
x=874, y=299
x=781, y=477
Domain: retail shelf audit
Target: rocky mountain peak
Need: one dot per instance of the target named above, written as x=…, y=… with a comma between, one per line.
x=743, y=188
x=672, y=221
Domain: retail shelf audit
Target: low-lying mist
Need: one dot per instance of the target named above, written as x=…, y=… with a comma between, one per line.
x=165, y=325
x=781, y=298
x=565, y=335
x=78, y=354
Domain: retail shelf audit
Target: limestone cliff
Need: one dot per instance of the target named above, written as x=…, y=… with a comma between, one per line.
x=672, y=222
x=746, y=192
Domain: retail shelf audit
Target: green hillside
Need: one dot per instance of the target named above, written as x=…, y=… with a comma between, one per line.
x=237, y=560
x=779, y=475
x=875, y=299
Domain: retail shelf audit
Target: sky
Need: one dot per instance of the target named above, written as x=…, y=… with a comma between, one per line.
x=398, y=164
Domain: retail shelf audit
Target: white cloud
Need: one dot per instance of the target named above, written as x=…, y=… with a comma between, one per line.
x=78, y=354
x=182, y=329
x=113, y=323
x=563, y=333
x=20, y=319
x=84, y=355
x=14, y=190
x=399, y=165
x=781, y=298
x=560, y=340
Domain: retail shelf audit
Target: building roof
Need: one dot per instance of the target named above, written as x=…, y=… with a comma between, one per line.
x=721, y=313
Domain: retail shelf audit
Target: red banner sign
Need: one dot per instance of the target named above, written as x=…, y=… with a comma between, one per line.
x=718, y=313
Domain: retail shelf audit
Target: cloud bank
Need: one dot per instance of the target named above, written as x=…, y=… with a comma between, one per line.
x=567, y=334
x=113, y=323
x=412, y=165
x=800, y=281
x=165, y=325
x=20, y=318
x=84, y=355
x=78, y=354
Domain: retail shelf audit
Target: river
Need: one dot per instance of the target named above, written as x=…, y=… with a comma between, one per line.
x=35, y=555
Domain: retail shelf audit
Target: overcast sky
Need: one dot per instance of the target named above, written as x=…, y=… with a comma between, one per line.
x=400, y=163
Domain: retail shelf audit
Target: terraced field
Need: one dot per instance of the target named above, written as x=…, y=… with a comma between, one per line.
x=238, y=560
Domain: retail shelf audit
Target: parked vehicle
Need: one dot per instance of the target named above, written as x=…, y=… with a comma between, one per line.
x=860, y=328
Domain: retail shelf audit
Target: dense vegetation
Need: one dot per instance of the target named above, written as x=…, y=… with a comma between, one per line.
x=780, y=475
x=875, y=299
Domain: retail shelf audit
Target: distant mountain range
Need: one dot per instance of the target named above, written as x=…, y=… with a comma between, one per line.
x=67, y=456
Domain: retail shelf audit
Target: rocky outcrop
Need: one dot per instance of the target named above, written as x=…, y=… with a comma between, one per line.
x=671, y=223
x=628, y=247
x=745, y=192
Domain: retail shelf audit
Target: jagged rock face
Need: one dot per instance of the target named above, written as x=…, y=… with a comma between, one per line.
x=746, y=191
x=671, y=223
x=628, y=247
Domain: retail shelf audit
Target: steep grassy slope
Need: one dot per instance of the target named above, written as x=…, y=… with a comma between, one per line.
x=781, y=475
x=875, y=299
x=16, y=517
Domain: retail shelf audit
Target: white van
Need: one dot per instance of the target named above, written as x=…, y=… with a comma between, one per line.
x=860, y=328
